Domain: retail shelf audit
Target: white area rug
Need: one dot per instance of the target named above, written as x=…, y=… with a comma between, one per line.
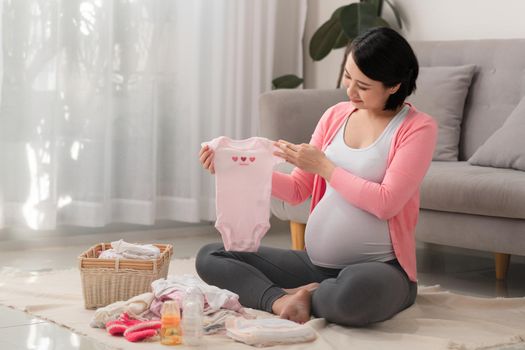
x=438, y=320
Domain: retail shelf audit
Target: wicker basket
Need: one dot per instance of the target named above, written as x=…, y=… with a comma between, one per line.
x=105, y=281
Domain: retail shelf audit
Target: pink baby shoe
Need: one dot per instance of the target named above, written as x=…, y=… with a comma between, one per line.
x=142, y=330
x=119, y=326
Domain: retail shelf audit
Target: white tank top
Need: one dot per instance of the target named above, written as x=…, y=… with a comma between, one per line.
x=339, y=234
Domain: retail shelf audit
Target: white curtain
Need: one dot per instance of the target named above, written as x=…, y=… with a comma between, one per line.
x=104, y=104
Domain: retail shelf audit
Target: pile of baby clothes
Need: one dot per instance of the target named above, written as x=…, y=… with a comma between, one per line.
x=123, y=250
x=174, y=288
x=139, y=317
x=268, y=331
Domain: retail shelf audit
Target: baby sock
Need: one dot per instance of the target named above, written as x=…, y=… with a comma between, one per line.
x=133, y=330
x=142, y=330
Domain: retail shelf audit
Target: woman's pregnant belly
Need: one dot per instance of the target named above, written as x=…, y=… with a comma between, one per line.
x=339, y=234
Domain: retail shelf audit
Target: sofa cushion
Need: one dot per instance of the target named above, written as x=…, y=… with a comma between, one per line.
x=506, y=147
x=464, y=188
x=441, y=93
x=287, y=212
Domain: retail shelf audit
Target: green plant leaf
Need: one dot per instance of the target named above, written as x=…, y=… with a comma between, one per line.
x=288, y=81
x=341, y=41
x=379, y=22
x=396, y=13
x=378, y=5
x=357, y=17
x=326, y=37
x=349, y=20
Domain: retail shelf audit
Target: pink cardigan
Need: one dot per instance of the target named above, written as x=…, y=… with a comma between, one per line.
x=396, y=199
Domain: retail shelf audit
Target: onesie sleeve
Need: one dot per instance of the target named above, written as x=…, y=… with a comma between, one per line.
x=213, y=144
x=271, y=149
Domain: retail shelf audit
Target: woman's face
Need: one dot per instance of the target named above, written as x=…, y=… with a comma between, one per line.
x=364, y=92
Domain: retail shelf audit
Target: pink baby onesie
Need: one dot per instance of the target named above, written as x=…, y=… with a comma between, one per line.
x=243, y=186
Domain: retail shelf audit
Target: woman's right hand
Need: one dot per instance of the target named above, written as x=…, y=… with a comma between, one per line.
x=206, y=158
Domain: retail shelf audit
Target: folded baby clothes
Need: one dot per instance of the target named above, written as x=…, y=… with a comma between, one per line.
x=268, y=331
x=216, y=322
x=136, y=307
x=124, y=250
x=175, y=287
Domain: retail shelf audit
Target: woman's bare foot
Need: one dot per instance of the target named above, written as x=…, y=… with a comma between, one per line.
x=309, y=287
x=294, y=307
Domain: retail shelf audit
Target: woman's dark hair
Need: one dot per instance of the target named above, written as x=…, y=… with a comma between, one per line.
x=382, y=54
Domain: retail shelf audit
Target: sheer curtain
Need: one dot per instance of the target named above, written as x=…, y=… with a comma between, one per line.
x=104, y=104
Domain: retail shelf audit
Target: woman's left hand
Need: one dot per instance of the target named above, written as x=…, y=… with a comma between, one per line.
x=306, y=157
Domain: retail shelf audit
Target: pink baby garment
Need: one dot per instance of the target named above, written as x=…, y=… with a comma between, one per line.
x=243, y=186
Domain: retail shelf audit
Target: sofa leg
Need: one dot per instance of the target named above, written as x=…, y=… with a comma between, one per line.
x=297, y=231
x=502, y=265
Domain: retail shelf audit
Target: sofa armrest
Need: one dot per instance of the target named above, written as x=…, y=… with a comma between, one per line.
x=293, y=114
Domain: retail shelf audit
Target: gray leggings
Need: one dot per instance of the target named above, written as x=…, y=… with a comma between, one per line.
x=357, y=295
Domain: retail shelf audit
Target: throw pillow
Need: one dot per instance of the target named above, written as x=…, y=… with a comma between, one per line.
x=441, y=93
x=506, y=147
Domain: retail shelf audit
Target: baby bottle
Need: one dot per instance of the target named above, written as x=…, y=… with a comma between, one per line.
x=170, y=332
x=192, y=316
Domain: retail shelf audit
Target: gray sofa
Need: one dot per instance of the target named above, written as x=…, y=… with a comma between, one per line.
x=462, y=205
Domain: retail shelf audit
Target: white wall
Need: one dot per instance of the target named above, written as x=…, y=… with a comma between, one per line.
x=423, y=20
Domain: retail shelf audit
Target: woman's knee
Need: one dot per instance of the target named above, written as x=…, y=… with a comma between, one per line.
x=361, y=297
x=204, y=259
x=360, y=307
x=351, y=306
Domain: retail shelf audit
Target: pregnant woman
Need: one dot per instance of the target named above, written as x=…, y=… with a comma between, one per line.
x=363, y=168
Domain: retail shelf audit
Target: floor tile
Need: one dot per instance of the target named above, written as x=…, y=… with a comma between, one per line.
x=10, y=317
x=46, y=336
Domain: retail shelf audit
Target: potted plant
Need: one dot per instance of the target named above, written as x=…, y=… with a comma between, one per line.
x=339, y=30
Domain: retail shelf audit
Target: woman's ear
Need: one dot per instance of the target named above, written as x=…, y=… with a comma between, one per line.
x=393, y=89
